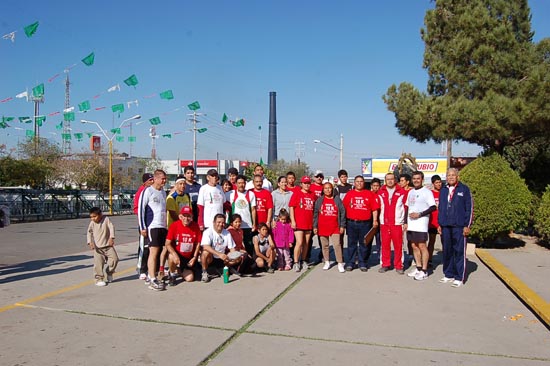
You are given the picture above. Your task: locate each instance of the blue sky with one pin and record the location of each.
(329, 62)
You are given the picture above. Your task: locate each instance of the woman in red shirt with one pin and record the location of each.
(301, 220)
(329, 221)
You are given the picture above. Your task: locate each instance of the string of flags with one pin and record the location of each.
(29, 30)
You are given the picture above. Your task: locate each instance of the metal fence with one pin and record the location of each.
(37, 205)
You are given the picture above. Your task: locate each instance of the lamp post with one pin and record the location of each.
(341, 148)
(110, 139)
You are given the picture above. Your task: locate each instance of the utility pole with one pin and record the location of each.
(66, 143)
(36, 138)
(300, 150)
(154, 136)
(449, 143)
(194, 120)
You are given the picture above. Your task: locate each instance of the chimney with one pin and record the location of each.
(272, 142)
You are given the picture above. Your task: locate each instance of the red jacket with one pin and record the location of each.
(392, 213)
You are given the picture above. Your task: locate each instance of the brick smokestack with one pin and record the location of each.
(272, 142)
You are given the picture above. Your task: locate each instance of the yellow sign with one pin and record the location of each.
(429, 166)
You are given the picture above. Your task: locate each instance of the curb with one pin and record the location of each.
(536, 303)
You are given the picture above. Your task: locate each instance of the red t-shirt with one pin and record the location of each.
(303, 204)
(328, 218)
(294, 189)
(317, 189)
(433, 216)
(264, 201)
(238, 237)
(185, 237)
(360, 204)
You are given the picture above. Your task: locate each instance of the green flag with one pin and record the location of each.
(59, 126)
(84, 106)
(115, 130)
(29, 133)
(78, 136)
(90, 134)
(68, 116)
(202, 130)
(261, 161)
(40, 120)
(7, 119)
(131, 139)
(167, 135)
(131, 81)
(3, 124)
(120, 138)
(167, 95)
(66, 136)
(25, 119)
(194, 106)
(31, 29)
(224, 118)
(89, 60)
(38, 91)
(259, 127)
(155, 121)
(238, 123)
(118, 108)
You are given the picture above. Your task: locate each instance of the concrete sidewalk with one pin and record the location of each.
(55, 315)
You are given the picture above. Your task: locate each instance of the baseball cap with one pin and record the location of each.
(319, 173)
(212, 173)
(305, 179)
(185, 210)
(145, 177)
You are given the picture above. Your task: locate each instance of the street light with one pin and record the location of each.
(341, 148)
(110, 139)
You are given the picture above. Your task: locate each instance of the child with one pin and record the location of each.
(246, 266)
(101, 239)
(283, 236)
(264, 248)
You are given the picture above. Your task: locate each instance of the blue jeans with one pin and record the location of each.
(356, 239)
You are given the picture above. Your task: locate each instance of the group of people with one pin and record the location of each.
(248, 226)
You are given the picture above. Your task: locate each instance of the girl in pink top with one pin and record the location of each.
(283, 236)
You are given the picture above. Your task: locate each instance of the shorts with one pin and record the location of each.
(218, 263)
(184, 261)
(432, 230)
(417, 237)
(303, 229)
(157, 237)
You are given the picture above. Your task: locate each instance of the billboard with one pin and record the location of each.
(377, 168)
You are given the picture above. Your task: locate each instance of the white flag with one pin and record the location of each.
(10, 36)
(25, 94)
(113, 88)
(70, 109)
(132, 102)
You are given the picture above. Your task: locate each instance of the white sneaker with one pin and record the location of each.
(143, 276)
(297, 267)
(341, 268)
(326, 266)
(100, 283)
(457, 283)
(446, 280)
(413, 273)
(421, 275)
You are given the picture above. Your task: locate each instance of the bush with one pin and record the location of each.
(501, 198)
(542, 219)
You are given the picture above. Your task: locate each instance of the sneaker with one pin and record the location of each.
(172, 280)
(147, 280)
(457, 283)
(341, 268)
(297, 267)
(233, 271)
(205, 278)
(349, 268)
(383, 269)
(304, 265)
(270, 270)
(100, 283)
(400, 271)
(326, 266)
(363, 269)
(413, 273)
(421, 275)
(143, 276)
(446, 280)
(156, 285)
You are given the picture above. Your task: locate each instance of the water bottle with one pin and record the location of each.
(225, 274)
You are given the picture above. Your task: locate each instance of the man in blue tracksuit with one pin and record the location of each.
(456, 209)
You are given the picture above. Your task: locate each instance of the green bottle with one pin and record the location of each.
(225, 274)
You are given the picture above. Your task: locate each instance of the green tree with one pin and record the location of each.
(488, 82)
(542, 219)
(502, 200)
